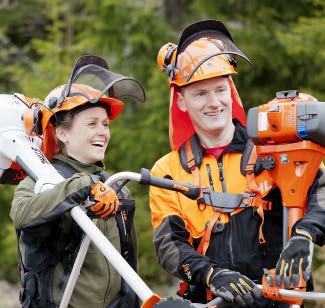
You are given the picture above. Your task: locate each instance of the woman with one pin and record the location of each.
(76, 121)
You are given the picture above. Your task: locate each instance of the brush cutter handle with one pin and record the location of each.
(219, 302)
(189, 190)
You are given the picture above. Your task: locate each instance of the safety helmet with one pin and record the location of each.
(91, 83)
(81, 95)
(205, 50)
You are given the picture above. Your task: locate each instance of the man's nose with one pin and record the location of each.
(214, 100)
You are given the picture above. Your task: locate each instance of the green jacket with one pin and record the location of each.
(47, 231)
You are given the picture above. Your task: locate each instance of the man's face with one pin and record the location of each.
(209, 105)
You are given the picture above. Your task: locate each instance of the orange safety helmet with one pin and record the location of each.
(91, 83)
(205, 50)
(85, 96)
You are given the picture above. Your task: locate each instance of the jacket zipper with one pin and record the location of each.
(221, 174)
(224, 189)
(210, 177)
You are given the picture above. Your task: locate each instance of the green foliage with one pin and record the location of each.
(8, 255)
(41, 40)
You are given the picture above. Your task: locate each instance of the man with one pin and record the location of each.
(220, 244)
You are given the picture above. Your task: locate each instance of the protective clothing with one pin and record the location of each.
(49, 241)
(295, 260)
(185, 222)
(234, 287)
(106, 201)
(205, 50)
(82, 94)
(179, 223)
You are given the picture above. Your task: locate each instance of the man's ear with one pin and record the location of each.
(181, 102)
(61, 134)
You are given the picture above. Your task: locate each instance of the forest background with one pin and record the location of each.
(40, 40)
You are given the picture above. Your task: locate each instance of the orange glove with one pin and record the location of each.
(106, 201)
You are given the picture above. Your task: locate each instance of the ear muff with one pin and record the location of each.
(169, 55)
(53, 102)
(32, 120)
(164, 59)
(169, 67)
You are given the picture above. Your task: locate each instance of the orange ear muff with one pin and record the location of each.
(32, 120)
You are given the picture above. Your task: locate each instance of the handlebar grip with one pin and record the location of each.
(189, 190)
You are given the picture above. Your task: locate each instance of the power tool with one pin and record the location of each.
(289, 135)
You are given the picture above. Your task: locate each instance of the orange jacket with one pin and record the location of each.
(179, 223)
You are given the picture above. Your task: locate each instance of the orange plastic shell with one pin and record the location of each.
(154, 299)
(296, 165)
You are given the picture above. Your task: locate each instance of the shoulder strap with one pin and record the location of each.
(190, 154)
(64, 169)
(249, 157)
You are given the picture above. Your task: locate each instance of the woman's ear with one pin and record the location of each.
(61, 134)
(181, 102)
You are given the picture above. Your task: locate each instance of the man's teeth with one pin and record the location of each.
(98, 143)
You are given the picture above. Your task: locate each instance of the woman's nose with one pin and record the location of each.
(103, 129)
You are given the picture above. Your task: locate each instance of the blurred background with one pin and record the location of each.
(40, 40)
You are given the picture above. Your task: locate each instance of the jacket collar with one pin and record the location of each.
(80, 167)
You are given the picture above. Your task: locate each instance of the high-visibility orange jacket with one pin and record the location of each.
(179, 223)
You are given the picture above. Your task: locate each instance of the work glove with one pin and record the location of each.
(234, 287)
(295, 260)
(104, 201)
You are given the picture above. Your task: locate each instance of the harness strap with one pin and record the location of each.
(192, 166)
(205, 241)
(202, 249)
(223, 202)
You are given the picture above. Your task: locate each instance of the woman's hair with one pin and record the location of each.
(64, 119)
(65, 122)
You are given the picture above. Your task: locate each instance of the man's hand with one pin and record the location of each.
(295, 260)
(234, 287)
(106, 201)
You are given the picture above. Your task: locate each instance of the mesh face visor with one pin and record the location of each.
(93, 71)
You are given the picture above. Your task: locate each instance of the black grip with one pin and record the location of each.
(189, 190)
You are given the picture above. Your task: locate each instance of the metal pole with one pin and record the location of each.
(84, 248)
(111, 254)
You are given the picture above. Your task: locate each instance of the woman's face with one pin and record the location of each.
(88, 137)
